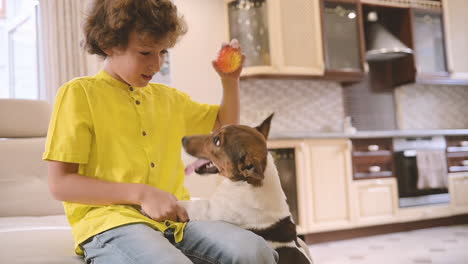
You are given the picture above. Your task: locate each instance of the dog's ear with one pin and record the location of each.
(251, 170)
(264, 127)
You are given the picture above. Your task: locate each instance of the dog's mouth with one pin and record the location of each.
(201, 166)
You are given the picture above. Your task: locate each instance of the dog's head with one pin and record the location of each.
(234, 151)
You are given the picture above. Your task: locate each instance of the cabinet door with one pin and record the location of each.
(329, 180)
(299, 37)
(249, 23)
(278, 37)
(377, 200)
(455, 12)
(429, 48)
(459, 191)
(341, 25)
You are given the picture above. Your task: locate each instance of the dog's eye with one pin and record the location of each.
(249, 167)
(217, 141)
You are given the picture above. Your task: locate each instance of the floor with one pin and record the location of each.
(441, 245)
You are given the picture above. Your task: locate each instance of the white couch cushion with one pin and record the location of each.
(37, 240)
(24, 118)
(23, 179)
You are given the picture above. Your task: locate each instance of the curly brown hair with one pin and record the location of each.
(110, 22)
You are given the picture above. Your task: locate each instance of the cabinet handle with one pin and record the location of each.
(373, 147)
(374, 169)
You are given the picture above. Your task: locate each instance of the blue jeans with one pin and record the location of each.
(204, 242)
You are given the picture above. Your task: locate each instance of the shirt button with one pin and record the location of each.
(137, 102)
(143, 133)
(131, 89)
(167, 223)
(152, 165)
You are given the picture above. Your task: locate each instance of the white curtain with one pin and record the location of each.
(61, 56)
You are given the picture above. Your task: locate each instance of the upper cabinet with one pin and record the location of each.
(456, 33)
(278, 37)
(395, 41)
(343, 39)
(429, 49)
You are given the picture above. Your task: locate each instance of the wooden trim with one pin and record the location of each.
(422, 4)
(343, 1)
(315, 238)
(337, 76)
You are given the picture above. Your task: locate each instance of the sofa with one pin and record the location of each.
(33, 227)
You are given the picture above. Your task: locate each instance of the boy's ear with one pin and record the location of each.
(264, 127)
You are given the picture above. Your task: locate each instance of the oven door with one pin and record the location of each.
(407, 177)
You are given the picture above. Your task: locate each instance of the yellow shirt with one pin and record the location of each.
(120, 133)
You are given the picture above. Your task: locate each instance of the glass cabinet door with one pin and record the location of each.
(429, 42)
(248, 23)
(341, 34)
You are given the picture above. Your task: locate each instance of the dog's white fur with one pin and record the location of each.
(242, 204)
(245, 205)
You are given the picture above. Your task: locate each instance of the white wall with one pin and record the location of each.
(191, 69)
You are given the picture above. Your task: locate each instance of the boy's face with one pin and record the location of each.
(138, 62)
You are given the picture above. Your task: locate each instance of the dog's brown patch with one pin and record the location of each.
(282, 231)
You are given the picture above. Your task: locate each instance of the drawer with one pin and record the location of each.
(372, 147)
(457, 162)
(366, 167)
(457, 143)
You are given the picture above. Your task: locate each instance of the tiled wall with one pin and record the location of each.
(432, 107)
(317, 106)
(299, 105)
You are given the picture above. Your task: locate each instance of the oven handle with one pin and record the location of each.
(409, 153)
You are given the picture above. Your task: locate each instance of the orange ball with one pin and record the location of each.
(229, 59)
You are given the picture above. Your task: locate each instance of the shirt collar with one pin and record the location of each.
(103, 75)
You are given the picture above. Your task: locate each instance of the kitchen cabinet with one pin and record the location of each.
(372, 158)
(456, 37)
(458, 186)
(429, 47)
(342, 23)
(278, 37)
(376, 200)
(328, 178)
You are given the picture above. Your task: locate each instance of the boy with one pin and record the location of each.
(114, 145)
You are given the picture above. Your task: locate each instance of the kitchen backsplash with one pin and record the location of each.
(432, 107)
(317, 106)
(299, 105)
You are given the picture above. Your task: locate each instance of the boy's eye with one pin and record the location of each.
(164, 51)
(145, 53)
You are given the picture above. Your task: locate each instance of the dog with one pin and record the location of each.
(250, 196)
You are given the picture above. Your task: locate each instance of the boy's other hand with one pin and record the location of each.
(160, 205)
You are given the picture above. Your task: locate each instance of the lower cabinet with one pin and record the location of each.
(376, 200)
(458, 187)
(328, 177)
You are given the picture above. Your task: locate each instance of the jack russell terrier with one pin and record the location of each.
(250, 196)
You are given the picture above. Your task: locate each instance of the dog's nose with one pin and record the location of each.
(184, 141)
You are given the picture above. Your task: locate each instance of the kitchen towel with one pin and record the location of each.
(432, 169)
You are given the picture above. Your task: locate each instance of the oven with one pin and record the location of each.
(407, 172)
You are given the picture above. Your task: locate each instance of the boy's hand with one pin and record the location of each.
(230, 75)
(160, 205)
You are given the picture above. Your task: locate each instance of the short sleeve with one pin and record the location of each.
(199, 118)
(70, 130)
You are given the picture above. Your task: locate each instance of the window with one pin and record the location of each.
(19, 69)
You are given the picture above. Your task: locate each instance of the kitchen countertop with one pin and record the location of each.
(369, 134)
